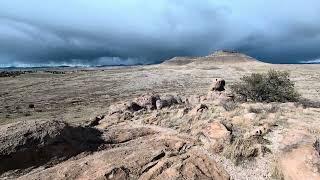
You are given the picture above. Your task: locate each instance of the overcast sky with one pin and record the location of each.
(93, 32)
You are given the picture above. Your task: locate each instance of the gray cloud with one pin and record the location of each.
(141, 31)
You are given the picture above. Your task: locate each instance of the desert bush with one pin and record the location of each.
(274, 86)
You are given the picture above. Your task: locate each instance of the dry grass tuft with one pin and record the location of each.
(276, 172)
(242, 149)
(316, 145)
(229, 105)
(255, 110)
(307, 103)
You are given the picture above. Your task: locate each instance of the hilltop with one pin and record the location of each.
(217, 57)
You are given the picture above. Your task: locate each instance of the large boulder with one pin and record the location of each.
(218, 85)
(217, 92)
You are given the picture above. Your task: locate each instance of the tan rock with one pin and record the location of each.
(219, 96)
(116, 174)
(295, 137)
(217, 136)
(218, 85)
(139, 153)
(300, 163)
(120, 108)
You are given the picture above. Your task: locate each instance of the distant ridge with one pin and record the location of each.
(180, 60)
(217, 57)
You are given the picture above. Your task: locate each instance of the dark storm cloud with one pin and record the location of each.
(141, 31)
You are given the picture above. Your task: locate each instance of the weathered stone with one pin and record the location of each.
(96, 120)
(198, 109)
(33, 143)
(123, 107)
(117, 174)
(218, 85)
(216, 136)
(300, 163)
(219, 96)
(147, 101)
(138, 153)
(167, 101)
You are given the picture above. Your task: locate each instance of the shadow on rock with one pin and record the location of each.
(35, 143)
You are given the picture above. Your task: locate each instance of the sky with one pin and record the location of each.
(127, 32)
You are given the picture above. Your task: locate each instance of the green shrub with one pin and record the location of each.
(274, 86)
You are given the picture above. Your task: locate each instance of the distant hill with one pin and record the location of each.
(222, 56)
(180, 60)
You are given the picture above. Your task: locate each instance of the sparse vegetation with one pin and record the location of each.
(13, 73)
(273, 108)
(276, 171)
(307, 103)
(229, 105)
(55, 72)
(242, 149)
(316, 145)
(274, 86)
(255, 110)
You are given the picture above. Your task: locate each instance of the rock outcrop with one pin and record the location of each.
(125, 151)
(36, 143)
(167, 101)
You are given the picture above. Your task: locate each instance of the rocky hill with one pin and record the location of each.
(218, 57)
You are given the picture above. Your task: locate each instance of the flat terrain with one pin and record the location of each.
(77, 96)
